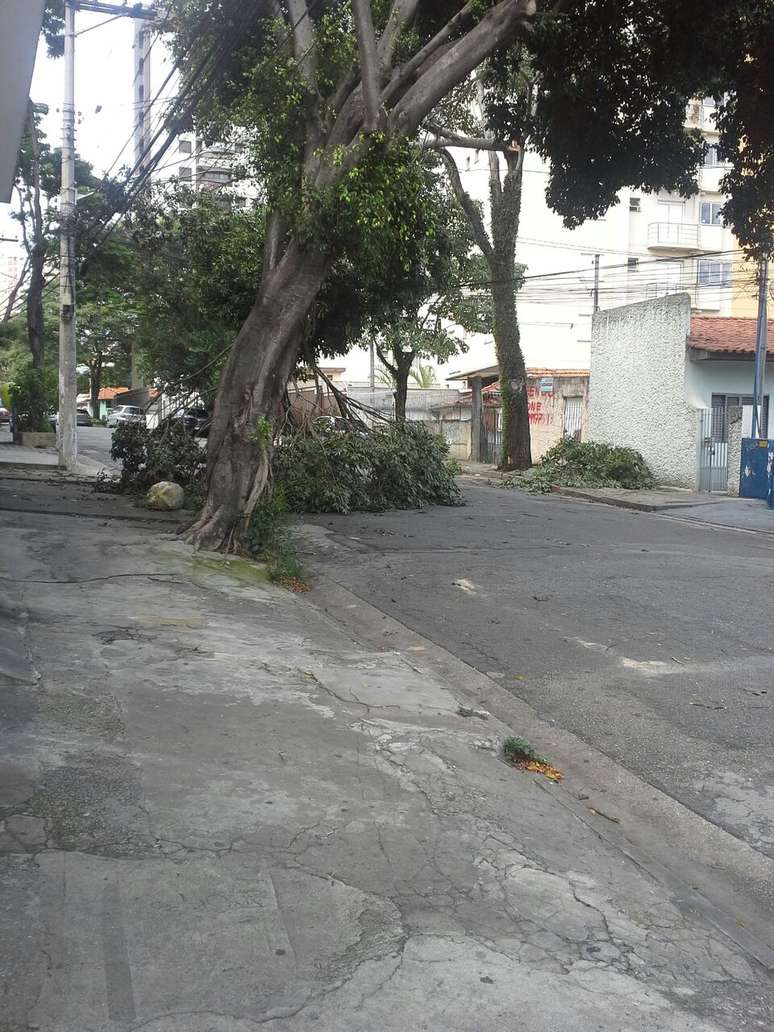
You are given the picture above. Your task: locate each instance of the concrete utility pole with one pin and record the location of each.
(67, 439)
(761, 347)
(142, 95)
(596, 282)
(67, 434)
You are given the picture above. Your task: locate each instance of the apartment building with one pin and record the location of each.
(217, 167)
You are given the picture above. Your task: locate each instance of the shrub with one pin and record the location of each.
(164, 453)
(270, 537)
(33, 395)
(586, 464)
(399, 467)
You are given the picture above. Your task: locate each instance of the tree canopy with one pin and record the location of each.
(327, 100)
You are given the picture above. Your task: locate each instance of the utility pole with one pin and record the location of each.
(761, 347)
(67, 433)
(142, 93)
(596, 282)
(67, 438)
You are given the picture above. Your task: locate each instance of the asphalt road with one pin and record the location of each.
(94, 443)
(648, 637)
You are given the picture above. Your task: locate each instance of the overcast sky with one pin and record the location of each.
(104, 72)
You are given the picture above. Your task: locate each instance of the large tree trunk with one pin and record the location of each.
(500, 254)
(515, 450)
(35, 305)
(402, 370)
(37, 254)
(252, 386)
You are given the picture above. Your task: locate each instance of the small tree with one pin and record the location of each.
(407, 340)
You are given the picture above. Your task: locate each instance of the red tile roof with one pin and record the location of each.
(108, 393)
(726, 335)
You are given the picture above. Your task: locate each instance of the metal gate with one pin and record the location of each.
(713, 449)
(573, 417)
(491, 435)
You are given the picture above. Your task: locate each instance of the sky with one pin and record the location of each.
(104, 73)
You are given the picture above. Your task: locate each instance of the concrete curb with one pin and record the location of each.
(626, 503)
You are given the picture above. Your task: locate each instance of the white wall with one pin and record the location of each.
(705, 377)
(638, 385)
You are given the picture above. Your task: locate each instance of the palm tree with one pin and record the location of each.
(423, 375)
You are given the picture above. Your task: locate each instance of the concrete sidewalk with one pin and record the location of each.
(15, 456)
(221, 812)
(750, 514)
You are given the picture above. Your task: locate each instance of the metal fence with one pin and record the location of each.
(491, 443)
(713, 449)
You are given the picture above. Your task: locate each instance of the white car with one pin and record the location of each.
(126, 414)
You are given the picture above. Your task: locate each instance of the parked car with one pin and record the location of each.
(5, 415)
(82, 418)
(126, 414)
(196, 421)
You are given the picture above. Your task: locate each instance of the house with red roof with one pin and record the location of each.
(106, 400)
(672, 383)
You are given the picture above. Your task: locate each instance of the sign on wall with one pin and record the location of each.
(546, 385)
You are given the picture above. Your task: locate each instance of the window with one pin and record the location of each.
(712, 155)
(670, 211)
(668, 279)
(711, 213)
(634, 204)
(185, 175)
(184, 146)
(214, 176)
(721, 403)
(713, 274)
(633, 264)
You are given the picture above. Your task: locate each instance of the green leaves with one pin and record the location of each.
(587, 464)
(33, 395)
(199, 266)
(402, 467)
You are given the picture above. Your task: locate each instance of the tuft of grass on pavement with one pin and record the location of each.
(519, 753)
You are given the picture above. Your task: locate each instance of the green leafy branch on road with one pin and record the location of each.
(585, 464)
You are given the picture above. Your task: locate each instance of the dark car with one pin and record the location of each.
(5, 415)
(82, 418)
(196, 421)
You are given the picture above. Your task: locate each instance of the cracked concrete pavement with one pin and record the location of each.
(220, 812)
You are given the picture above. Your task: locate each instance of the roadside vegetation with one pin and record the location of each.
(401, 466)
(398, 467)
(165, 453)
(585, 464)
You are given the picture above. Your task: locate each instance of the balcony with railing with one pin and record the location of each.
(673, 236)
